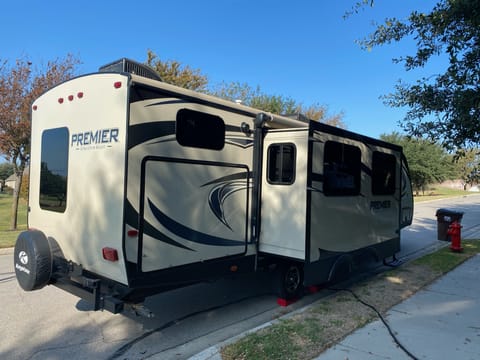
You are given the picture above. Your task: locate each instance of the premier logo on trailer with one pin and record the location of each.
(94, 139)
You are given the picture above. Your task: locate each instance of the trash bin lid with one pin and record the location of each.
(448, 212)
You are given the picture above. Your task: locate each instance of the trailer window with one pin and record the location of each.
(383, 173)
(54, 169)
(341, 169)
(200, 130)
(281, 164)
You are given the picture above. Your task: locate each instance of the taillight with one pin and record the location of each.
(70, 97)
(110, 254)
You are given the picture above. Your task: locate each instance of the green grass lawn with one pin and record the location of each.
(8, 237)
(440, 193)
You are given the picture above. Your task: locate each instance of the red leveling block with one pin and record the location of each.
(285, 302)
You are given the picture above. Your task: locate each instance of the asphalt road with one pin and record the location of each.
(52, 324)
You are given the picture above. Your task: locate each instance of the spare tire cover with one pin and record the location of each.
(32, 260)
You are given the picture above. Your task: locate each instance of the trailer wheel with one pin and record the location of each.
(289, 281)
(32, 260)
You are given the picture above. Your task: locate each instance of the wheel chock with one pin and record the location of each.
(285, 302)
(313, 289)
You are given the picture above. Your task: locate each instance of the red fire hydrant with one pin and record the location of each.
(455, 232)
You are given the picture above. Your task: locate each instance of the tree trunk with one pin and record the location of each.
(16, 196)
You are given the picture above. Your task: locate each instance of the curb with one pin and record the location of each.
(213, 352)
(6, 251)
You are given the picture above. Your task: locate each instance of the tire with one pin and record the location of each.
(32, 260)
(289, 281)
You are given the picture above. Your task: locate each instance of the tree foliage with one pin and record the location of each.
(467, 166)
(6, 169)
(428, 162)
(444, 106)
(275, 104)
(20, 84)
(173, 72)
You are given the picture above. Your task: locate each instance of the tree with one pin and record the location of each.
(275, 104)
(445, 106)
(20, 84)
(6, 169)
(428, 162)
(173, 72)
(467, 166)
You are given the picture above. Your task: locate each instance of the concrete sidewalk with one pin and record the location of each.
(441, 321)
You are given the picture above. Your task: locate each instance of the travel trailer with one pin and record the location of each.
(139, 187)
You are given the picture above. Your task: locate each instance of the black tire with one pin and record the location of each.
(289, 281)
(32, 260)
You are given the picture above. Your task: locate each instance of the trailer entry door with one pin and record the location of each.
(284, 184)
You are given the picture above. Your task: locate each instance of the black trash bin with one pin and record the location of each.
(445, 217)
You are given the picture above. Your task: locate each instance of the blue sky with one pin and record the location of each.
(305, 49)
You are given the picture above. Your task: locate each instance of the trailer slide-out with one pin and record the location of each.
(138, 187)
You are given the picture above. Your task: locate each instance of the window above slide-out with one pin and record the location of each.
(200, 130)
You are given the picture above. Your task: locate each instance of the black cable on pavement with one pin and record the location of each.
(394, 337)
(122, 350)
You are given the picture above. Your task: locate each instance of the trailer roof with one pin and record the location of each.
(275, 121)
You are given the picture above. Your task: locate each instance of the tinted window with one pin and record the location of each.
(383, 173)
(341, 169)
(54, 169)
(281, 164)
(200, 130)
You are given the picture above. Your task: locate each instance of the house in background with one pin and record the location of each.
(10, 181)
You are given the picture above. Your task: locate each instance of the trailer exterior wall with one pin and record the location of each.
(342, 222)
(94, 113)
(188, 195)
(352, 216)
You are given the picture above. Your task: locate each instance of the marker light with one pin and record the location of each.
(70, 97)
(117, 84)
(110, 254)
(132, 233)
(80, 95)
(35, 107)
(60, 100)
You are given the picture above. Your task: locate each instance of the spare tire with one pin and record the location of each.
(32, 260)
